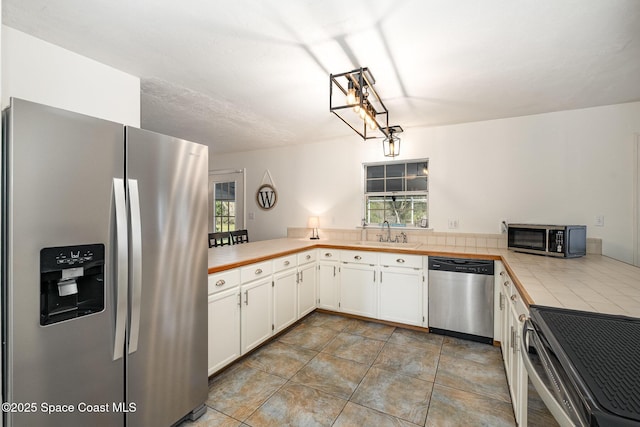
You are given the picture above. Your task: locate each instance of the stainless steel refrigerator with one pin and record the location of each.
(104, 272)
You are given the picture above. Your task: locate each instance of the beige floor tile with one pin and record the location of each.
(333, 375)
(377, 331)
(212, 418)
(240, 390)
(403, 336)
(324, 320)
(470, 350)
(482, 378)
(453, 408)
(354, 347)
(416, 361)
(280, 359)
(394, 394)
(310, 337)
(354, 415)
(297, 405)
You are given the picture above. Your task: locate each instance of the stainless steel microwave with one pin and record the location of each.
(567, 241)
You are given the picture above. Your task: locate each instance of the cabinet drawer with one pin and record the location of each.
(222, 281)
(400, 260)
(307, 257)
(255, 271)
(284, 263)
(359, 257)
(329, 255)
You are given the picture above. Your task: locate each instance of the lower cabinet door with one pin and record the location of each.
(284, 299)
(328, 286)
(358, 289)
(224, 329)
(256, 323)
(400, 295)
(306, 290)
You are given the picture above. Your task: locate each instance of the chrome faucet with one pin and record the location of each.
(388, 231)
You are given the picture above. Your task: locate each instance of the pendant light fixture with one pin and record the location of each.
(354, 100)
(391, 144)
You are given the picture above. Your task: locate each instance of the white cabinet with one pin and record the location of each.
(285, 310)
(223, 337)
(224, 329)
(358, 289)
(400, 295)
(328, 268)
(306, 283)
(504, 289)
(517, 373)
(256, 313)
(511, 316)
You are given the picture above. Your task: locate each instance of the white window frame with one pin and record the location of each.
(416, 222)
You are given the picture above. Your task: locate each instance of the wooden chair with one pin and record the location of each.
(239, 236)
(219, 239)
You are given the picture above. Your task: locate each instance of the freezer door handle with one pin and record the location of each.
(135, 269)
(121, 269)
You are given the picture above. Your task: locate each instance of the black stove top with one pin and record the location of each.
(604, 351)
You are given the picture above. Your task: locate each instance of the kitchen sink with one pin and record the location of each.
(373, 244)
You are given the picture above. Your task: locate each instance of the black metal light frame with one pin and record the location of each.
(363, 82)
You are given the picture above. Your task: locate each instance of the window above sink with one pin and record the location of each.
(397, 192)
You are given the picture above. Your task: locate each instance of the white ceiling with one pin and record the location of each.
(248, 74)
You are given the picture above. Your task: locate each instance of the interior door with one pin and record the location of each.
(226, 200)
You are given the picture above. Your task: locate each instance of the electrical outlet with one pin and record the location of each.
(599, 221)
(251, 216)
(453, 223)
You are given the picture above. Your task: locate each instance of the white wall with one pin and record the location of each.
(563, 167)
(39, 71)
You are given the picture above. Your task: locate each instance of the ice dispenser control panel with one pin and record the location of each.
(71, 282)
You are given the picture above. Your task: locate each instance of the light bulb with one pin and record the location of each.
(372, 119)
(351, 94)
(363, 112)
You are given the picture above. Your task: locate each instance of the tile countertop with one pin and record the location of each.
(591, 283)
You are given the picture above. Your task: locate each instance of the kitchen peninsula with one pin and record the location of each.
(592, 283)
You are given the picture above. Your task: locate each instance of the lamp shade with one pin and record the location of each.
(314, 222)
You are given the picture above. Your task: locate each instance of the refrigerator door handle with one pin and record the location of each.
(135, 271)
(122, 268)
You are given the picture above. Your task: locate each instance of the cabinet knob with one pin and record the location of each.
(328, 254)
(502, 273)
(357, 257)
(514, 297)
(522, 317)
(286, 263)
(308, 257)
(259, 271)
(220, 282)
(506, 283)
(400, 261)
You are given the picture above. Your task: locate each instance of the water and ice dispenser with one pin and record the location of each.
(71, 282)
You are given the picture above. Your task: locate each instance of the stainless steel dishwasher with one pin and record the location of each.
(461, 298)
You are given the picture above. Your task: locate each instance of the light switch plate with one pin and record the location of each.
(599, 222)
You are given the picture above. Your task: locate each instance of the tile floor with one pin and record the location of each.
(330, 370)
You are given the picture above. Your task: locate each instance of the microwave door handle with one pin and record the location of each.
(121, 273)
(135, 271)
(551, 398)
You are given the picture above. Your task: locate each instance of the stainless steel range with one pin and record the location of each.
(584, 365)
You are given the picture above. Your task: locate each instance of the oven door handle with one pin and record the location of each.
(558, 410)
